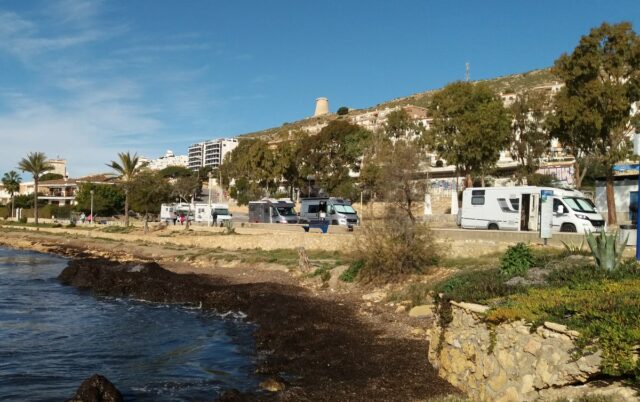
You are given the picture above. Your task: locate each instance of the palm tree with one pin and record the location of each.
(35, 163)
(128, 168)
(11, 182)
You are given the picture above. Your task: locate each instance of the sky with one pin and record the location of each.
(84, 80)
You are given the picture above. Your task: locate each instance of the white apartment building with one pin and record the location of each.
(168, 159)
(210, 153)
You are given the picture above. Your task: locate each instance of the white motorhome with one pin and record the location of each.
(204, 213)
(518, 208)
(170, 212)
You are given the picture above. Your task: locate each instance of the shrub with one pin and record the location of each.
(541, 180)
(22, 219)
(516, 260)
(342, 111)
(351, 273)
(229, 228)
(394, 248)
(476, 286)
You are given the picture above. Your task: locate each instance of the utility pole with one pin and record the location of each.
(467, 72)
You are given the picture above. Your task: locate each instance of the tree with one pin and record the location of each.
(149, 191)
(470, 127)
(400, 125)
(127, 168)
(173, 172)
(11, 182)
(186, 188)
(253, 162)
(35, 163)
(107, 198)
(529, 139)
(342, 110)
(398, 244)
(602, 81)
(51, 176)
(287, 163)
(334, 155)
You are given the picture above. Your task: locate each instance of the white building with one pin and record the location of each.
(168, 159)
(210, 153)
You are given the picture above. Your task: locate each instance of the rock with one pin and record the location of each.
(555, 327)
(498, 381)
(400, 309)
(231, 395)
(417, 332)
(96, 389)
(273, 384)
(423, 311)
(532, 346)
(375, 297)
(474, 308)
(334, 281)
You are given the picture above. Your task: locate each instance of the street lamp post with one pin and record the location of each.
(92, 218)
(210, 215)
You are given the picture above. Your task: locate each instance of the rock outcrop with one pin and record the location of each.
(96, 388)
(509, 361)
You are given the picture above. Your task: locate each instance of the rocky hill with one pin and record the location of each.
(505, 84)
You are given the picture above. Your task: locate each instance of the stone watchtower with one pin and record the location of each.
(322, 107)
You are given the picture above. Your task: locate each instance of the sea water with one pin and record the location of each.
(52, 337)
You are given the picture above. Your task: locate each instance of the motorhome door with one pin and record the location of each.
(534, 208)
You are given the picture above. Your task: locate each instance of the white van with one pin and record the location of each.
(518, 208)
(336, 211)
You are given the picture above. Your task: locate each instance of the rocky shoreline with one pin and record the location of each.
(310, 348)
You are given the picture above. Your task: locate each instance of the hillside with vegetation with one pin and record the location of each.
(508, 83)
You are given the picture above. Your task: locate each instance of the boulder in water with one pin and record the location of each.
(231, 395)
(96, 389)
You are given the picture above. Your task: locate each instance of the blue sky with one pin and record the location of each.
(84, 80)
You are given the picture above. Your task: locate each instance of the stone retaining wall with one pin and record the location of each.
(507, 362)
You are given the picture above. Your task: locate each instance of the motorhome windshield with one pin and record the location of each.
(580, 204)
(286, 211)
(344, 209)
(221, 211)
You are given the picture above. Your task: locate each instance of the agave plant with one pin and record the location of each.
(606, 249)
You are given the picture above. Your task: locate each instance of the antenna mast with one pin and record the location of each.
(467, 72)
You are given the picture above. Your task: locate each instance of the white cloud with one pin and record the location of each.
(85, 97)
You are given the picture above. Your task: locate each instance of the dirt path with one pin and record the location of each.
(327, 346)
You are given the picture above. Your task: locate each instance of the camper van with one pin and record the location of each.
(168, 212)
(518, 208)
(204, 213)
(270, 210)
(336, 211)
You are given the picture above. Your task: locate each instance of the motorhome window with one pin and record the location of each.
(515, 203)
(221, 211)
(477, 192)
(345, 209)
(556, 204)
(313, 209)
(287, 211)
(477, 199)
(274, 212)
(580, 204)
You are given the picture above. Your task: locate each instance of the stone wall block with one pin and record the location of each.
(518, 366)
